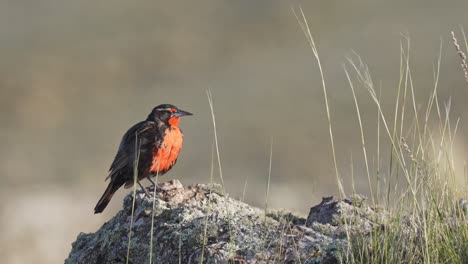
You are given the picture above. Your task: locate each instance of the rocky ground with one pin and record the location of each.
(200, 224)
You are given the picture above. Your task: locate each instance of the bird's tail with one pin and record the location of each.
(107, 196)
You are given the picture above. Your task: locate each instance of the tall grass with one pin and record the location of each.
(220, 171)
(302, 20)
(425, 224)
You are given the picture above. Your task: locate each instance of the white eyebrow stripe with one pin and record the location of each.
(164, 109)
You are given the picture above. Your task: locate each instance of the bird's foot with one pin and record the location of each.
(154, 189)
(148, 194)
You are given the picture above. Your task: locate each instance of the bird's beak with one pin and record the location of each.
(180, 113)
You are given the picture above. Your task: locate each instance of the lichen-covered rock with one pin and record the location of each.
(200, 224)
(340, 217)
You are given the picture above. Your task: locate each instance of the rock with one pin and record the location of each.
(335, 217)
(200, 224)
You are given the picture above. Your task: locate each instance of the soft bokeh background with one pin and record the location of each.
(74, 75)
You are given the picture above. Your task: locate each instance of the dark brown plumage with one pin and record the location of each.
(155, 143)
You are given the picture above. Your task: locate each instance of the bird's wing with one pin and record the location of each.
(126, 154)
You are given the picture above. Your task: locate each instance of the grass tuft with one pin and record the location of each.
(425, 225)
(427, 222)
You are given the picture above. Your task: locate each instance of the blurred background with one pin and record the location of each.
(75, 75)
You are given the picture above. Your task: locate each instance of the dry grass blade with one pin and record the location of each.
(305, 28)
(228, 212)
(205, 228)
(365, 79)
(265, 224)
(362, 134)
(135, 179)
(210, 101)
(152, 217)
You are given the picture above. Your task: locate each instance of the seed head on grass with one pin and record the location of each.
(462, 55)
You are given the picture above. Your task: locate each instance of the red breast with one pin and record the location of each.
(166, 155)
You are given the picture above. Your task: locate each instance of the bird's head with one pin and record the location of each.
(167, 113)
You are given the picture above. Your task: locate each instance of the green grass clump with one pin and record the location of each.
(426, 224)
(421, 189)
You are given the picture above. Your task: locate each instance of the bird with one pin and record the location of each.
(153, 145)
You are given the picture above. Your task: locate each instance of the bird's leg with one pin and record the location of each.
(144, 189)
(152, 182)
(155, 187)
